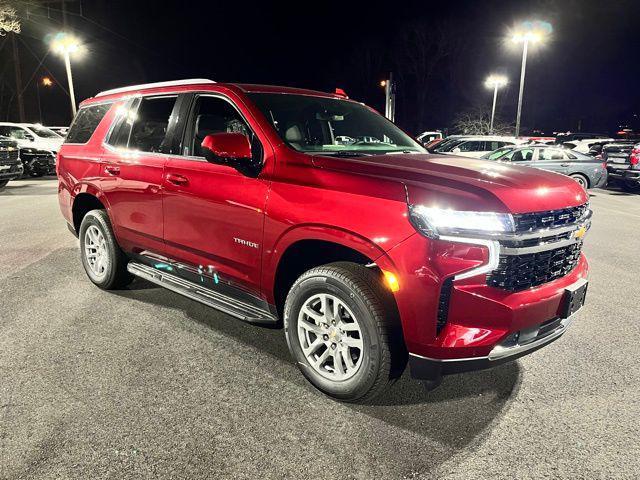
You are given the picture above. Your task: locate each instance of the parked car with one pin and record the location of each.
(571, 136)
(587, 171)
(10, 165)
(586, 145)
(621, 159)
(370, 255)
(62, 131)
(433, 144)
(38, 146)
(428, 136)
(477, 146)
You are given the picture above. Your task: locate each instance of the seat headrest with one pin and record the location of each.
(293, 134)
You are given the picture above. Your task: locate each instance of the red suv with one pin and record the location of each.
(283, 206)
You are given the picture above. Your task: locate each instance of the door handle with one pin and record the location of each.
(112, 170)
(176, 179)
(564, 164)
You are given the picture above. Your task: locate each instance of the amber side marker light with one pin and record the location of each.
(391, 280)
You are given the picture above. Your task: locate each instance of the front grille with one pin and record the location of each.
(7, 156)
(519, 272)
(528, 222)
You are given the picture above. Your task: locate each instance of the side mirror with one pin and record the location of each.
(456, 150)
(226, 147)
(231, 149)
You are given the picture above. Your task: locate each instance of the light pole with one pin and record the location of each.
(495, 82)
(65, 45)
(389, 97)
(527, 33)
(46, 82)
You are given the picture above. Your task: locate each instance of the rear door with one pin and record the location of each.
(133, 166)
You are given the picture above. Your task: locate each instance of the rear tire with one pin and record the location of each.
(3, 183)
(102, 258)
(581, 179)
(341, 316)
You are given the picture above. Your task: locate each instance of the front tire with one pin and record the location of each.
(342, 329)
(103, 260)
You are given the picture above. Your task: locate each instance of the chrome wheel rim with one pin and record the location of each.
(580, 181)
(95, 251)
(330, 337)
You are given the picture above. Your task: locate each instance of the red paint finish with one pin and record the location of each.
(207, 214)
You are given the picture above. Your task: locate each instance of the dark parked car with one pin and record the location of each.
(622, 164)
(587, 171)
(38, 163)
(10, 166)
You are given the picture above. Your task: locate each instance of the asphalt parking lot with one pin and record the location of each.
(143, 383)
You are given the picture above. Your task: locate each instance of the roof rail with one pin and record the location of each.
(172, 83)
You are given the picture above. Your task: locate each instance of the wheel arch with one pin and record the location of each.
(303, 248)
(86, 197)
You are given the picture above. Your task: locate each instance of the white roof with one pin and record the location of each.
(172, 83)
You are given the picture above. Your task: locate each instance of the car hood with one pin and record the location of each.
(466, 184)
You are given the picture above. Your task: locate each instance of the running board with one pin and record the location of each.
(224, 303)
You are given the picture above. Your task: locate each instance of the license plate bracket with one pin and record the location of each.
(574, 297)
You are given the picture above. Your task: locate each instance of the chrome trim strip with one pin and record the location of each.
(447, 360)
(499, 352)
(538, 248)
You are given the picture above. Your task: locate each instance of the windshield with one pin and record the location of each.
(43, 132)
(500, 152)
(332, 126)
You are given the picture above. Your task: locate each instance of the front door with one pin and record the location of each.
(213, 214)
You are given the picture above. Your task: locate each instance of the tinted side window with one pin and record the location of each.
(551, 154)
(524, 155)
(125, 116)
(86, 122)
(149, 132)
(215, 115)
(471, 147)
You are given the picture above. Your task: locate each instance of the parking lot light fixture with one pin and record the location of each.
(494, 82)
(527, 33)
(65, 44)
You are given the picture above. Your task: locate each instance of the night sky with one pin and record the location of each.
(585, 76)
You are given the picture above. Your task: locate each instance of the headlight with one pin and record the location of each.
(434, 222)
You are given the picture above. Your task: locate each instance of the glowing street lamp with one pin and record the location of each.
(495, 82)
(45, 82)
(528, 33)
(65, 45)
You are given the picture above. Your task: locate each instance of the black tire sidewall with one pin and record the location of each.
(99, 219)
(358, 385)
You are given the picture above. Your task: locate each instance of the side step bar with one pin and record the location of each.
(224, 303)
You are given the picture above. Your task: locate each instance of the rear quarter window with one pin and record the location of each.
(86, 121)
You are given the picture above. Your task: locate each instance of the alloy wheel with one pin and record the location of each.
(330, 337)
(95, 251)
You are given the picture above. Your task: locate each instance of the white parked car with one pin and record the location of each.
(426, 137)
(584, 145)
(34, 136)
(477, 146)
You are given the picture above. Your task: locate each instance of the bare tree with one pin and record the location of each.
(478, 121)
(9, 21)
(422, 50)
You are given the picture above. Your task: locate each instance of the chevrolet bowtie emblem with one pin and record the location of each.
(580, 232)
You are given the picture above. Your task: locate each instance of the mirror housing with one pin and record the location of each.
(456, 150)
(233, 150)
(225, 147)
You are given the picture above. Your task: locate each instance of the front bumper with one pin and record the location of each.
(431, 369)
(14, 171)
